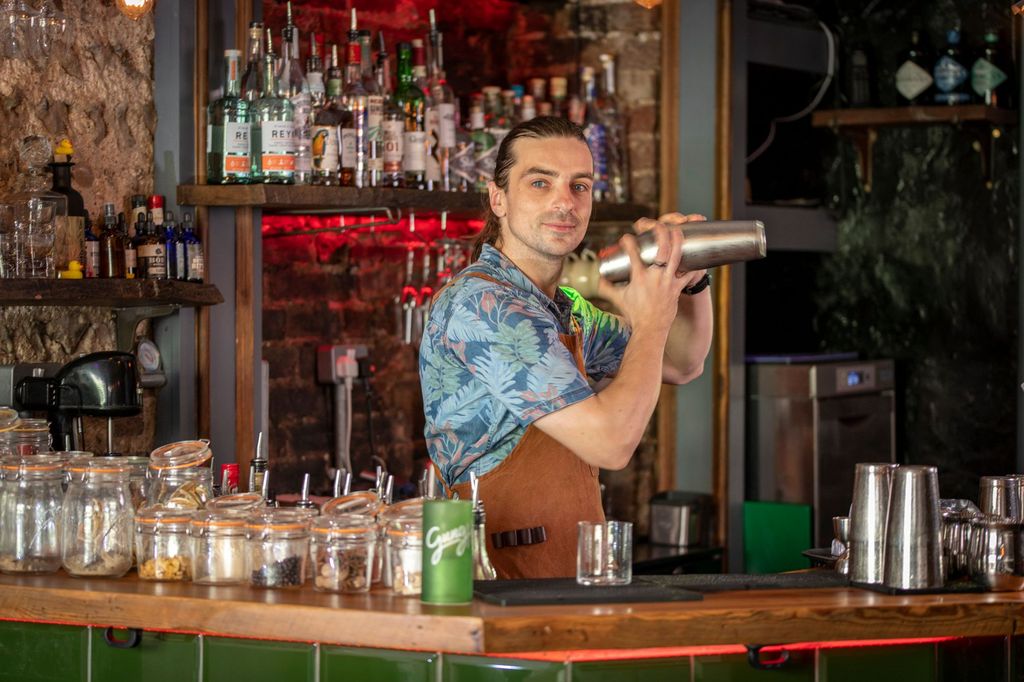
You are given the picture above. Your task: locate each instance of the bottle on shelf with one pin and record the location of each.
(195, 269)
(180, 262)
(596, 133)
(393, 123)
(495, 120)
(70, 234)
(130, 262)
(990, 79)
(463, 158)
(91, 250)
(858, 80)
(326, 127)
(293, 85)
(315, 76)
(111, 245)
(529, 108)
(950, 74)
(138, 206)
(410, 99)
(441, 116)
(252, 81)
(155, 209)
(486, 149)
(374, 114)
(914, 75)
(432, 172)
(273, 131)
(168, 234)
(228, 149)
(610, 111)
(354, 126)
(559, 88)
(152, 252)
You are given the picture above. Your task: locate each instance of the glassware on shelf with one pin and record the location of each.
(180, 475)
(162, 547)
(30, 510)
(39, 212)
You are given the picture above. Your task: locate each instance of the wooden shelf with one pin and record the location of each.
(901, 116)
(109, 293)
(317, 199)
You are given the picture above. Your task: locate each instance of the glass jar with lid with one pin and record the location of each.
(412, 508)
(219, 547)
(180, 475)
(25, 437)
(138, 479)
(72, 459)
(30, 506)
(97, 520)
(236, 502)
(405, 549)
(343, 547)
(162, 547)
(277, 547)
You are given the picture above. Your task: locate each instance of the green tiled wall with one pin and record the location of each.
(254, 660)
(344, 664)
(30, 652)
(647, 670)
(912, 663)
(736, 668)
(159, 657)
(483, 669)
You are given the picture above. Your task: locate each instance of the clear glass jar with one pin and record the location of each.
(365, 503)
(411, 508)
(180, 475)
(219, 547)
(97, 520)
(343, 549)
(237, 502)
(26, 437)
(162, 547)
(277, 547)
(30, 505)
(405, 548)
(138, 479)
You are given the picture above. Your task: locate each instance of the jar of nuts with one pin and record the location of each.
(218, 546)
(405, 509)
(277, 547)
(180, 475)
(343, 549)
(161, 544)
(405, 547)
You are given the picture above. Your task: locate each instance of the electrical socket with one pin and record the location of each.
(336, 363)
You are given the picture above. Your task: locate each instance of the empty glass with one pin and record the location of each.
(604, 553)
(34, 236)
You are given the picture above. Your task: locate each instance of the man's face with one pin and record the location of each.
(546, 210)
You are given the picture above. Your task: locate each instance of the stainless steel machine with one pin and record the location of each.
(810, 419)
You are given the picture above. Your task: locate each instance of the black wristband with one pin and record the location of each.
(700, 286)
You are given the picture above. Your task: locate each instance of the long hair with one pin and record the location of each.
(537, 128)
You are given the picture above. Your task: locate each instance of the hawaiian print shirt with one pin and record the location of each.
(491, 362)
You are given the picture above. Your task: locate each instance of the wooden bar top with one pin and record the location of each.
(381, 620)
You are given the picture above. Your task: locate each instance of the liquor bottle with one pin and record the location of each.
(195, 268)
(354, 126)
(486, 149)
(596, 133)
(273, 132)
(252, 81)
(228, 152)
(72, 224)
(463, 158)
(138, 211)
(138, 241)
(130, 265)
(950, 74)
(610, 110)
(155, 209)
(989, 76)
(293, 85)
(91, 251)
(393, 123)
(529, 110)
(538, 90)
(111, 246)
(432, 174)
(168, 234)
(315, 76)
(152, 253)
(374, 114)
(559, 87)
(510, 104)
(326, 128)
(441, 116)
(495, 120)
(180, 262)
(913, 77)
(414, 139)
(859, 82)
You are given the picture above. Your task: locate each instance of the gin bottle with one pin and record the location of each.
(195, 269)
(293, 85)
(354, 127)
(463, 158)
(485, 149)
(409, 98)
(315, 76)
(252, 81)
(228, 152)
(326, 128)
(441, 117)
(374, 114)
(610, 110)
(393, 123)
(596, 133)
(273, 143)
(950, 74)
(989, 74)
(431, 123)
(913, 77)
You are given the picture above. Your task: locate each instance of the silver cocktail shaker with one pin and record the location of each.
(705, 245)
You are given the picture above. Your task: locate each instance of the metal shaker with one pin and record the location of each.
(868, 515)
(705, 245)
(996, 553)
(913, 538)
(957, 516)
(1003, 496)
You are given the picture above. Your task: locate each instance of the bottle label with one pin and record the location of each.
(92, 259)
(485, 160)
(302, 106)
(949, 74)
(194, 256)
(912, 80)
(157, 215)
(414, 153)
(209, 138)
(447, 124)
(986, 77)
(393, 133)
(597, 139)
(278, 138)
(154, 260)
(131, 261)
(349, 147)
(180, 266)
(433, 119)
(237, 149)
(316, 84)
(374, 117)
(325, 148)
(464, 164)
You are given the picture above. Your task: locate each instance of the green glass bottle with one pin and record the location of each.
(228, 150)
(273, 130)
(409, 99)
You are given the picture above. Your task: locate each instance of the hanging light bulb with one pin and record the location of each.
(135, 9)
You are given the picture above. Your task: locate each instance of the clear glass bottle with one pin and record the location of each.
(30, 506)
(409, 98)
(354, 128)
(463, 158)
(431, 121)
(374, 114)
(315, 77)
(97, 520)
(482, 568)
(273, 132)
(441, 116)
(393, 123)
(610, 110)
(228, 147)
(485, 149)
(219, 546)
(990, 74)
(162, 547)
(252, 81)
(130, 261)
(343, 548)
(950, 74)
(293, 85)
(327, 122)
(596, 133)
(180, 476)
(277, 548)
(913, 78)
(39, 212)
(195, 263)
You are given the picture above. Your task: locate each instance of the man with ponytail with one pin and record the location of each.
(509, 360)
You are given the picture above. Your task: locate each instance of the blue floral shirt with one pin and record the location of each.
(491, 362)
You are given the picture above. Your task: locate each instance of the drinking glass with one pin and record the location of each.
(604, 553)
(6, 241)
(34, 239)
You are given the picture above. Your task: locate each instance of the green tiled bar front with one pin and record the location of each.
(736, 668)
(485, 669)
(254, 660)
(344, 664)
(32, 652)
(897, 663)
(159, 657)
(643, 670)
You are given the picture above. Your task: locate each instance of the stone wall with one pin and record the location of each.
(98, 92)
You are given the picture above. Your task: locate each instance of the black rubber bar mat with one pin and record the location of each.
(958, 587)
(566, 591)
(721, 582)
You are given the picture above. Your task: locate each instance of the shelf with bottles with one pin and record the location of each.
(107, 293)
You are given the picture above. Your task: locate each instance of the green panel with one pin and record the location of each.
(341, 664)
(31, 652)
(159, 657)
(910, 663)
(484, 669)
(254, 660)
(736, 668)
(640, 670)
(979, 658)
(774, 535)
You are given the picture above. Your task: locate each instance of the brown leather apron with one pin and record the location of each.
(541, 483)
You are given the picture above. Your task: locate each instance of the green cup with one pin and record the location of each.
(447, 552)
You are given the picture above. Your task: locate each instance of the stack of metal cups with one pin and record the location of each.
(868, 514)
(996, 536)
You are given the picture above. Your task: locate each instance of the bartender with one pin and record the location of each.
(510, 363)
